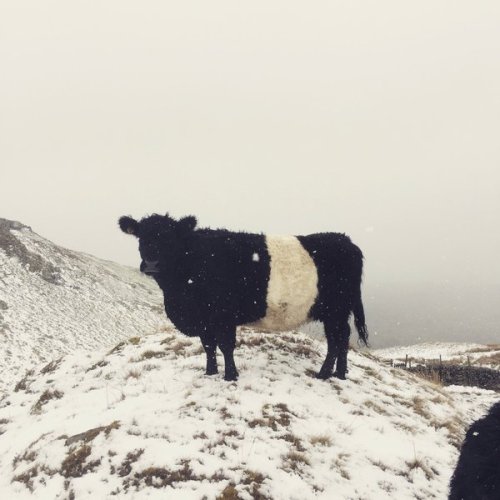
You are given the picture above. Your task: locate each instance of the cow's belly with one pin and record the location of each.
(293, 284)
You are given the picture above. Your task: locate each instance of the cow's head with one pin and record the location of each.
(158, 235)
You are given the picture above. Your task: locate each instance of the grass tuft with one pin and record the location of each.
(321, 439)
(44, 399)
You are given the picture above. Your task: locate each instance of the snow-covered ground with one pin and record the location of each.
(54, 300)
(476, 354)
(116, 403)
(143, 421)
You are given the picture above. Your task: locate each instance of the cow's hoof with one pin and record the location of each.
(323, 376)
(211, 369)
(339, 376)
(231, 377)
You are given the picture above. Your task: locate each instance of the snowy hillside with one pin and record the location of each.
(53, 300)
(477, 354)
(143, 421)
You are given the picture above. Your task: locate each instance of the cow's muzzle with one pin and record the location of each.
(150, 266)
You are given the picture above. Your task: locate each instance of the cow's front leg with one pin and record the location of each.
(226, 340)
(209, 343)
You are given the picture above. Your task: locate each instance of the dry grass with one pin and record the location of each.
(224, 413)
(160, 477)
(405, 427)
(273, 416)
(432, 375)
(419, 407)
(372, 373)
(295, 461)
(321, 440)
(417, 463)
(118, 347)
(149, 367)
(75, 464)
(386, 486)
(376, 407)
(51, 367)
(25, 382)
(27, 477)
(44, 399)
(454, 427)
(200, 435)
(91, 434)
(133, 374)
(168, 339)
(492, 359)
(250, 341)
(254, 480)
(150, 354)
(486, 348)
(379, 464)
(229, 493)
(126, 466)
(99, 364)
(28, 456)
(339, 464)
(294, 441)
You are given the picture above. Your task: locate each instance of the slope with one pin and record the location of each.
(142, 421)
(456, 352)
(53, 300)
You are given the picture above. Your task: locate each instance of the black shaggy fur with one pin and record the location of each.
(212, 283)
(477, 475)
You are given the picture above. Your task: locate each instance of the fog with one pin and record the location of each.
(377, 119)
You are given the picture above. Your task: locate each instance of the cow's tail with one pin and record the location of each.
(359, 319)
(357, 304)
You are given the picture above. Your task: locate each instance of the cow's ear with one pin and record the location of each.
(186, 225)
(128, 225)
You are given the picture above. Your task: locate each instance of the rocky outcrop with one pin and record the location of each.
(34, 262)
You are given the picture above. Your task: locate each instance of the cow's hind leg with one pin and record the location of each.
(226, 340)
(337, 333)
(209, 343)
(344, 333)
(331, 338)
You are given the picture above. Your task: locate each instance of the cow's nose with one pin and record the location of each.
(150, 266)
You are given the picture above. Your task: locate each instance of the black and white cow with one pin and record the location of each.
(216, 280)
(477, 474)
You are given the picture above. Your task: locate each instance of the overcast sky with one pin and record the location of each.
(378, 119)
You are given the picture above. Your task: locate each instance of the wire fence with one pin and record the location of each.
(450, 372)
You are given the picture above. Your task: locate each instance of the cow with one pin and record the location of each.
(214, 280)
(477, 474)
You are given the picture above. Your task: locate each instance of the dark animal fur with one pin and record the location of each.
(212, 284)
(477, 474)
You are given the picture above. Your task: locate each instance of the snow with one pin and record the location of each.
(477, 354)
(116, 402)
(278, 430)
(93, 303)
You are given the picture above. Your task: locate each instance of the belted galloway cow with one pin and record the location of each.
(477, 473)
(214, 280)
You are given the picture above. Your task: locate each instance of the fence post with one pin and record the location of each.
(440, 369)
(406, 362)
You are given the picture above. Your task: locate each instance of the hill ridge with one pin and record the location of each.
(142, 419)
